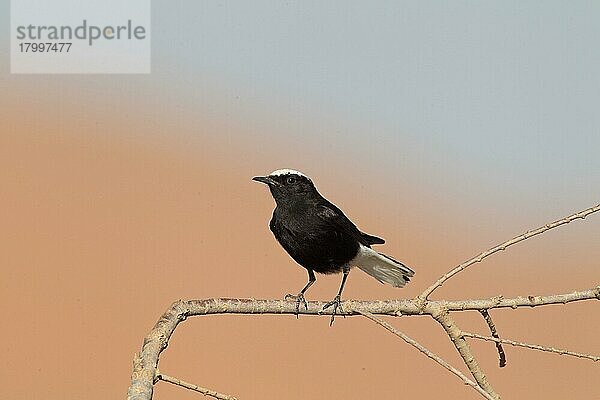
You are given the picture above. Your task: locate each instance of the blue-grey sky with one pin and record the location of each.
(505, 91)
(469, 98)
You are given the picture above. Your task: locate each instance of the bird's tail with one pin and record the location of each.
(383, 268)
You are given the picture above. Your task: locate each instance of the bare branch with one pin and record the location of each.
(503, 246)
(195, 388)
(488, 319)
(532, 346)
(521, 301)
(428, 353)
(145, 364)
(464, 350)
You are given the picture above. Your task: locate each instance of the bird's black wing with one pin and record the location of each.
(335, 218)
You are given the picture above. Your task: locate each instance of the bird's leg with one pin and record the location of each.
(336, 302)
(300, 296)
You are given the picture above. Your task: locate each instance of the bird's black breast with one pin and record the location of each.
(316, 236)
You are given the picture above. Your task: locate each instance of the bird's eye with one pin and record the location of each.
(291, 180)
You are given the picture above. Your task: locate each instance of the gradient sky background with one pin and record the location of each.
(445, 127)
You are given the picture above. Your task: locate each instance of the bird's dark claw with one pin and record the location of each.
(299, 300)
(337, 304)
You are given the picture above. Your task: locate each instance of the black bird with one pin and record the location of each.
(319, 237)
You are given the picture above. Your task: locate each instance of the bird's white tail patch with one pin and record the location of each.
(382, 267)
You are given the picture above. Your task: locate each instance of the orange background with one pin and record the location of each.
(113, 207)
(443, 127)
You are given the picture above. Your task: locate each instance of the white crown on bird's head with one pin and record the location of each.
(286, 171)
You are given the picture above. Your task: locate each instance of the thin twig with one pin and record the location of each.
(488, 319)
(207, 392)
(428, 353)
(532, 346)
(521, 301)
(503, 246)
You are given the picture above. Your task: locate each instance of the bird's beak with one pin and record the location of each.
(264, 179)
